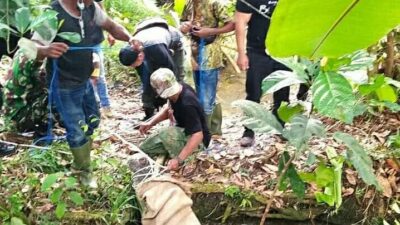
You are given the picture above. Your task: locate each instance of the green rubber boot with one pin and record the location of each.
(82, 165)
(214, 121)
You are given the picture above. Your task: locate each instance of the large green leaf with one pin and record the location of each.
(70, 36)
(301, 129)
(50, 180)
(60, 209)
(56, 195)
(6, 27)
(333, 96)
(46, 25)
(286, 112)
(179, 5)
(291, 176)
(42, 18)
(394, 107)
(23, 19)
(257, 118)
(359, 159)
(280, 79)
(76, 198)
(378, 81)
(16, 221)
(323, 175)
(332, 28)
(337, 162)
(386, 93)
(298, 186)
(303, 69)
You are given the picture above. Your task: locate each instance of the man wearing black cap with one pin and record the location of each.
(151, 52)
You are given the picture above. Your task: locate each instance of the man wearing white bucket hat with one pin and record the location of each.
(190, 130)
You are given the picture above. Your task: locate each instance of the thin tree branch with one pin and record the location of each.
(269, 203)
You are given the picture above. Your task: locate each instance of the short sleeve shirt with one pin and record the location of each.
(259, 23)
(75, 67)
(207, 13)
(190, 115)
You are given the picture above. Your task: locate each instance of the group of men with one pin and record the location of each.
(156, 51)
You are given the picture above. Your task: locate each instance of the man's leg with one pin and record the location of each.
(167, 141)
(148, 94)
(91, 109)
(102, 89)
(178, 58)
(206, 82)
(281, 95)
(71, 105)
(259, 68)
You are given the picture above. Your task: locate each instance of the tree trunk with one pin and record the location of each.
(389, 63)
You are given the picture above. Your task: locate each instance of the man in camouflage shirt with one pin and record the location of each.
(206, 20)
(25, 96)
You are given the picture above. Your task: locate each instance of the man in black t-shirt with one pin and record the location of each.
(185, 111)
(253, 58)
(73, 94)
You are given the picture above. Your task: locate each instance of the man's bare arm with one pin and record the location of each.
(116, 30)
(241, 21)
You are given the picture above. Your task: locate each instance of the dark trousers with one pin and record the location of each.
(260, 66)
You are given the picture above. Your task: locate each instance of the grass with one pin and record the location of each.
(21, 182)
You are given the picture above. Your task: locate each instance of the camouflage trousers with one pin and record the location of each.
(25, 96)
(167, 141)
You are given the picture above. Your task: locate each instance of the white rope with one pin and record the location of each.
(23, 145)
(136, 149)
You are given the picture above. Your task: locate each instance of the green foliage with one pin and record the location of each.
(257, 118)
(22, 19)
(381, 93)
(301, 129)
(62, 193)
(304, 71)
(290, 177)
(287, 112)
(279, 79)
(237, 196)
(128, 12)
(394, 140)
(333, 96)
(50, 180)
(328, 26)
(357, 156)
(70, 36)
(38, 175)
(328, 178)
(179, 5)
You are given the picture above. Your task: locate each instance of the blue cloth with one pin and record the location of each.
(101, 88)
(206, 82)
(79, 111)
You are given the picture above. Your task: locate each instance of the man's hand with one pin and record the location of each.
(144, 127)
(173, 164)
(186, 27)
(243, 62)
(136, 44)
(111, 40)
(202, 31)
(54, 50)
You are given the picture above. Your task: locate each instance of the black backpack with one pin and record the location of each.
(152, 22)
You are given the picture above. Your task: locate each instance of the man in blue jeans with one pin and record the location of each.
(101, 84)
(69, 80)
(206, 20)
